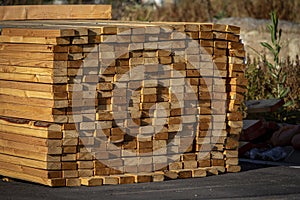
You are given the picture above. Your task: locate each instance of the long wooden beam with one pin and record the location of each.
(35, 12)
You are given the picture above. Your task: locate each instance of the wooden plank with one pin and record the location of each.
(30, 171)
(91, 181)
(142, 177)
(85, 164)
(30, 154)
(221, 169)
(237, 53)
(36, 63)
(251, 125)
(27, 12)
(30, 162)
(233, 29)
(73, 182)
(110, 180)
(32, 178)
(31, 112)
(235, 124)
(53, 24)
(231, 153)
(233, 168)
(28, 128)
(85, 173)
(184, 173)
(232, 142)
(263, 106)
(30, 124)
(232, 37)
(242, 81)
(211, 171)
(125, 179)
(33, 94)
(34, 40)
(200, 172)
(158, 176)
(33, 70)
(32, 48)
(38, 32)
(30, 131)
(29, 147)
(206, 26)
(169, 175)
(236, 88)
(33, 86)
(69, 173)
(33, 78)
(34, 55)
(219, 27)
(238, 116)
(232, 161)
(50, 103)
(252, 129)
(61, 28)
(30, 140)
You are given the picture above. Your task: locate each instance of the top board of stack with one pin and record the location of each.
(91, 102)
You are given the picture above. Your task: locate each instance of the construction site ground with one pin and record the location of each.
(255, 181)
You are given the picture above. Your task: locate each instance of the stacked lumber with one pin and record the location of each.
(112, 102)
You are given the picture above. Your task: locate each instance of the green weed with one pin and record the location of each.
(276, 78)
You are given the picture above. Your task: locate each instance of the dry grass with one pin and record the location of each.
(207, 10)
(292, 68)
(286, 9)
(258, 79)
(260, 87)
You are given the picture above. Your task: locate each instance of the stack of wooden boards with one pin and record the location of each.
(113, 102)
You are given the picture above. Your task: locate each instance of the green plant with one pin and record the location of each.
(275, 77)
(278, 76)
(258, 80)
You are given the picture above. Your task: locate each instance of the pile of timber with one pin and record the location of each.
(109, 102)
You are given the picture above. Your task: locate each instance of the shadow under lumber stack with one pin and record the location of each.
(111, 102)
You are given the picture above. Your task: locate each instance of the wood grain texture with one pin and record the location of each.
(29, 12)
